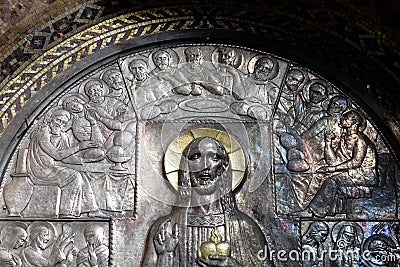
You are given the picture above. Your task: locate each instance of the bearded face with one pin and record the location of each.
(96, 92)
(205, 162)
(58, 123)
(90, 237)
(320, 236)
(194, 58)
(337, 106)
(139, 70)
(262, 69)
(21, 237)
(294, 80)
(115, 81)
(162, 60)
(348, 236)
(43, 239)
(227, 57)
(318, 93)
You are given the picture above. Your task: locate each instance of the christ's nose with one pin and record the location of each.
(205, 164)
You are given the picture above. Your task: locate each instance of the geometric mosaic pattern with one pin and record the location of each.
(53, 49)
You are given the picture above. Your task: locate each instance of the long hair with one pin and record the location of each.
(314, 229)
(36, 232)
(10, 234)
(185, 191)
(350, 228)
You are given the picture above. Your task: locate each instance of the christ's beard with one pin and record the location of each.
(195, 65)
(201, 198)
(206, 194)
(207, 189)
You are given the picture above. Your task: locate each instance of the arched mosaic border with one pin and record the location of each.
(16, 92)
(64, 88)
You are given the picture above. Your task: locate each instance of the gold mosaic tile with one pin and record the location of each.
(123, 27)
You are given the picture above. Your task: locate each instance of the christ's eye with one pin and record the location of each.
(195, 156)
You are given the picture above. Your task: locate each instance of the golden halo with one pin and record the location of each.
(174, 152)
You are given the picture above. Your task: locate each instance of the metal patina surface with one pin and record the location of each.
(200, 155)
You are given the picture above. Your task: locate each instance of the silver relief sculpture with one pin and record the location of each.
(43, 243)
(13, 239)
(314, 244)
(200, 155)
(206, 207)
(96, 253)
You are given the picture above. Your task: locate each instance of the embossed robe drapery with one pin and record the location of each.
(240, 231)
(32, 258)
(101, 252)
(76, 194)
(353, 183)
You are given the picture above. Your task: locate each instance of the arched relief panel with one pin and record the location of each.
(184, 151)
